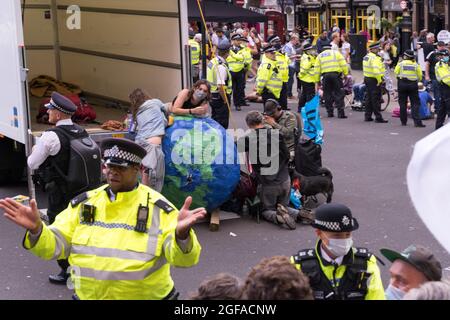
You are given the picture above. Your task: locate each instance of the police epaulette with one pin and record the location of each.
(79, 199)
(303, 255)
(164, 206)
(363, 253)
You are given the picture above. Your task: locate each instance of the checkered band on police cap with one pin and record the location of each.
(117, 153)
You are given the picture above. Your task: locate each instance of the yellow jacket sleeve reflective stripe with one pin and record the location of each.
(375, 289)
(176, 256)
(419, 72)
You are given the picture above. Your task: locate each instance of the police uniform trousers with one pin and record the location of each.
(284, 96)
(219, 109)
(333, 92)
(271, 195)
(266, 95)
(408, 89)
(195, 73)
(308, 92)
(58, 200)
(373, 99)
(238, 88)
(444, 109)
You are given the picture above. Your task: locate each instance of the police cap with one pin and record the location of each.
(273, 39)
(444, 52)
(409, 54)
(326, 45)
(308, 46)
(191, 33)
(122, 152)
(268, 49)
(61, 103)
(223, 46)
(375, 45)
(236, 36)
(334, 217)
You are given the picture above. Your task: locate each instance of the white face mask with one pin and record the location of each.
(394, 293)
(340, 247)
(199, 95)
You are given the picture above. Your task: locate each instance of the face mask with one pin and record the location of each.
(393, 293)
(199, 95)
(445, 59)
(340, 247)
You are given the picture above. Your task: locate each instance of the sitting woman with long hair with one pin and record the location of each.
(193, 101)
(149, 115)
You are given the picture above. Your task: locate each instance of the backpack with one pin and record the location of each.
(84, 170)
(308, 158)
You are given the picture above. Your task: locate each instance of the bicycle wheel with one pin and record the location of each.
(385, 99)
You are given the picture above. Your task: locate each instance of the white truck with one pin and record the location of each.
(107, 47)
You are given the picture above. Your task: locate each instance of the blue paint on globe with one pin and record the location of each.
(201, 161)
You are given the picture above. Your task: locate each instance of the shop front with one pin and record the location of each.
(340, 15)
(311, 14)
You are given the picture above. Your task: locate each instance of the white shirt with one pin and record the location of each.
(334, 46)
(251, 43)
(327, 258)
(345, 50)
(221, 72)
(47, 145)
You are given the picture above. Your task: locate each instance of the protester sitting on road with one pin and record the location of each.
(121, 238)
(151, 126)
(222, 286)
(426, 101)
(336, 269)
(276, 278)
(359, 91)
(193, 101)
(410, 269)
(432, 290)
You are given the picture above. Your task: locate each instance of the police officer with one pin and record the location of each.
(195, 56)
(336, 269)
(373, 69)
(53, 151)
(219, 77)
(307, 75)
(442, 71)
(121, 238)
(409, 74)
(331, 65)
(283, 62)
(248, 61)
(268, 78)
(236, 63)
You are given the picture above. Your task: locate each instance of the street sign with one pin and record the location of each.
(444, 35)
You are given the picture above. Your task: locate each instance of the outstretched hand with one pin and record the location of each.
(187, 218)
(24, 216)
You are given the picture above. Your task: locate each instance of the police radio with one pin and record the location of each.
(142, 217)
(88, 213)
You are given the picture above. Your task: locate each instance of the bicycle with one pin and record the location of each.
(385, 99)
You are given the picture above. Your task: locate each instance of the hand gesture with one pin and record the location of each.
(269, 120)
(201, 110)
(27, 217)
(187, 218)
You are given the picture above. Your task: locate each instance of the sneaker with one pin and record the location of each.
(306, 216)
(285, 217)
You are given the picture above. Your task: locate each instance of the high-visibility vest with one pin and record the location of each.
(109, 259)
(307, 72)
(409, 70)
(443, 73)
(248, 58)
(211, 76)
(195, 51)
(269, 77)
(373, 67)
(236, 60)
(283, 65)
(330, 61)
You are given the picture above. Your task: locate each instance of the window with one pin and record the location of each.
(314, 23)
(341, 18)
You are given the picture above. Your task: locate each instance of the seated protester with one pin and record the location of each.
(222, 286)
(193, 101)
(276, 279)
(151, 127)
(283, 120)
(269, 157)
(425, 103)
(359, 91)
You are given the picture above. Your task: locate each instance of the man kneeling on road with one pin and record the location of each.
(120, 238)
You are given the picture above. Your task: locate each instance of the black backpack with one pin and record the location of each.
(308, 158)
(84, 171)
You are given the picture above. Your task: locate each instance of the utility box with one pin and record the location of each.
(358, 50)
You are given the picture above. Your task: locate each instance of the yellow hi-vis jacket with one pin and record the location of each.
(443, 72)
(248, 58)
(334, 274)
(236, 60)
(269, 77)
(283, 62)
(108, 258)
(330, 61)
(211, 76)
(195, 51)
(307, 72)
(408, 70)
(373, 67)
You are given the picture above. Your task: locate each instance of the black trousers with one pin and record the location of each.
(373, 98)
(58, 200)
(284, 96)
(333, 92)
(219, 109)
(266, 95)
(308, 92)
(238, 88)
(408, 89)
(444, 109)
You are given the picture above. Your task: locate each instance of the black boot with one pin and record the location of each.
(60, 278)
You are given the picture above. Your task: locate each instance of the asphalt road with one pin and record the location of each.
(368, 161)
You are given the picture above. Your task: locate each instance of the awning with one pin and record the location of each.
(222, 12)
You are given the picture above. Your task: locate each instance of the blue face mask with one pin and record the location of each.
(445, 59)
(393, 293)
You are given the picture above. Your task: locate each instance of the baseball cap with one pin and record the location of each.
(419, 257)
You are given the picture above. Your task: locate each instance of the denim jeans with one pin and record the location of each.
(359, 91)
